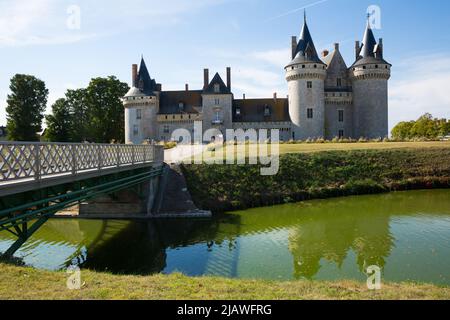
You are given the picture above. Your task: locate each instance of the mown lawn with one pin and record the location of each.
(26, 283)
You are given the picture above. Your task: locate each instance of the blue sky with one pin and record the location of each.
(179, 38)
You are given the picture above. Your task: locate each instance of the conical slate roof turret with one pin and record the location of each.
(306, 50)
(144, 82)
(369, 43)
(371, 52)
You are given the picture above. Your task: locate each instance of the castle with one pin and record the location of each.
(327, 99)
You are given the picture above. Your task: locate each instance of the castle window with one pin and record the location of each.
(303, 66)
(138, 114)
(309, 84)
(135, 130)
(341, 134)
(166, 129)
(217, 102)
(310, 113)
(217, 119)
(167, 117)
(217, 88)
(339, 82)
(315, 66)
(376, 66)
(341, 115)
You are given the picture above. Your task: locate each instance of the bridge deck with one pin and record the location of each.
(29, 166)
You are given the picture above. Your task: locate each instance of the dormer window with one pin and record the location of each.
(238, 111)
(267, 111)
(339, 82)
(217, 88)
(181, 106)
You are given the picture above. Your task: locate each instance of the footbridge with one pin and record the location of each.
(37, 180)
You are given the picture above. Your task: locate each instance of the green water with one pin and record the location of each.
(407, 234)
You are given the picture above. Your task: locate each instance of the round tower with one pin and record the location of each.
(306, 75)
(370, 75)
(141, 107)
(140, 116)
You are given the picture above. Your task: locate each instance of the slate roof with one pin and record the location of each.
(252, 110)
(135, 92)
(306, 50)
(145, 83)
(217, 80)
(369, 49)
(170, 102)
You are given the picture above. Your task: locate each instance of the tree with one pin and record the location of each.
(25, 108)
(445, 128)
(425, 127)
(402, 131)
(105, 109)
(59, 122)
(78, 113)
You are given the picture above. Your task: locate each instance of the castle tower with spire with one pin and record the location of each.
(370, 74)
(306, 75)
(141, 106)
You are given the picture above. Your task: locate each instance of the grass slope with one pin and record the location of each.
(26, 283)
(304, 176)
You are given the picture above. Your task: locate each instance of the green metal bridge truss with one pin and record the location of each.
(23, 214)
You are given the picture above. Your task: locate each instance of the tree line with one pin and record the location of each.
(92, 114)
(426, 127)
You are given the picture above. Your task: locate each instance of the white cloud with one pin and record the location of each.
(276, 57)
(44, 22)
(423, 87)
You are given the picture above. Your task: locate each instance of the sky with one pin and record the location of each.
(66, 43)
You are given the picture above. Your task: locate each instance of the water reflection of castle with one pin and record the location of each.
(352, 230)
(331, 239)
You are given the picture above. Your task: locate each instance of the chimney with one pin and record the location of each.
(357, 49)
(275, 96)
(134, 72)
(336, 46)
(205, 78)
(294, 46)
(159, 87)
(229, 78)
(243, 96)
(325, 53)
(187, 87)
(380, 46)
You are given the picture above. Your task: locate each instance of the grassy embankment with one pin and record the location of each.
(26, 283)
(311, 172)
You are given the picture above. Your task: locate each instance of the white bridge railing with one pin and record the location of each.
(21, 160)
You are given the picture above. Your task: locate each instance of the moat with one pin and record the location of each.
(407, 234)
